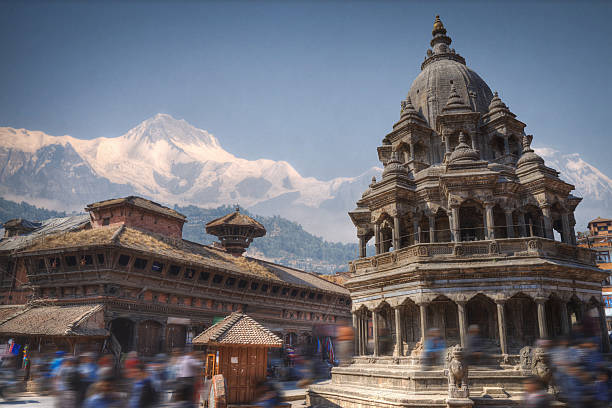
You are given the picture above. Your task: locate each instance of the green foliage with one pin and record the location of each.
(10, 210)
(285, 241)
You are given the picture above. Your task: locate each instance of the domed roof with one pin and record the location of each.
(442, 69)
(463, 152)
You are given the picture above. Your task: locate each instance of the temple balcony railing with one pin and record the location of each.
(466, 250)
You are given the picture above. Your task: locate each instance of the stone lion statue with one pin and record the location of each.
(457, 373)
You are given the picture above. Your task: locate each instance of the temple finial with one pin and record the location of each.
(438, 27)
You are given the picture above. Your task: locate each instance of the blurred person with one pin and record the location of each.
(101, 393)
(475, 345)
(142, 394)
(68, 384)
(601, 391)
(268, 395)
(181, 398)
(88, 370)
(345, 344)
(189, 369)
(535, 394)
(8, 377)
(433, 348)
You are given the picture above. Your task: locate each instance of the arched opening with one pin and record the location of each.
(420, 152)
(575, 311)
(497, 147)
(403, 150)
(411, 326)
(291, 339)
(386, 234)
(514, 145)
(424, 225)
(442, 230)
(176, 336)
(386, 330)
(521, 321)
(123, 330)
(554, 322)
(471, 221)
(556, 213)
(442, 314)
(499, 220)
(482, 312)
(534, 222)
(149, 338)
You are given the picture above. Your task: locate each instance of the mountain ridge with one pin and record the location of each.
(171, 161)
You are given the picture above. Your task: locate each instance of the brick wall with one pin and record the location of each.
(138, 218)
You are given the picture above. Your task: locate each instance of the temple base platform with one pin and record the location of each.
(399, 382)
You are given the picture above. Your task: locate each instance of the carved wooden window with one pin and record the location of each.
(285, 291)
(124, 260)
(106, 221)
(174, 270)
(319, 296)
(264, 287)
(254, 285)
(189, 273)
(275, 289)
(204, 276)
(41, 265)
(86, 260)
(140, 263)
(311, 295)
(302, 294)
(100, 259)
(294, 293)
(54, 263)
(71, 260)
(242, 284)
(217, 278)
(157, 266)
(229, 282)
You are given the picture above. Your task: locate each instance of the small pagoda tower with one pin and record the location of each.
(235, 231)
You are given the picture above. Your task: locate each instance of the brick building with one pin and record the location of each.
(157, 290)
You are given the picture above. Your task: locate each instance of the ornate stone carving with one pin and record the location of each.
(422, 251)
(534, 245)
(540, 366)
(525, 355)
(494, 248)
(457, 374)
(458, 250)
(374, 262)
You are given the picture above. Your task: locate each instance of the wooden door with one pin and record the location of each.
(243, 368)
(149, 338)
(175, 337)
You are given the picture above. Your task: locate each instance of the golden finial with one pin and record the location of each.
(438, 24)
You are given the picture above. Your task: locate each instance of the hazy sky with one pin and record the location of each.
(315, 83)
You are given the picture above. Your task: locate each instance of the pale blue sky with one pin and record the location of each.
(315, 83)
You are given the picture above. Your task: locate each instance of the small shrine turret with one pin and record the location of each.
(235, 231)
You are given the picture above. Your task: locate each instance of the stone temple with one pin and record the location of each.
(470, 228)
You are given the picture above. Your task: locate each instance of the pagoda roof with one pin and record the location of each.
(236, 218)
(137, 202)
(238, 329)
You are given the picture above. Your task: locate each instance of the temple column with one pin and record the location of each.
(541, 317)
(363, 333)
(506, 146)
(548, 230)
(605, 339)
(509, 226)
(377, 242)
(564, 319)
(462, 322)
(566, 228)
(411, 151)
(446, 145)
(356, 332)
(501, 324)
(423, 321)
(416, 229)
(375, 331)
(522, 226)
(455, 224)
(490, 222)
(396, 233)
(135, 336)
(399, 341)
(432, 228)
(362, 246)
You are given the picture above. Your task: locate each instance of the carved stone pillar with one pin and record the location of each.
(411, 151)
(564, 319)
(509, 226)
(605, 339)
(377, 242)
(462, 322)
(490, 222)
(423, 316)
(356, 332)
(566, 228)
(455, 224)
(135, 337)
(399, 341)
(446, 144)
(432, 228)
(416, 229)
(450, 226)
(541, 317)
(501, 323)
(506, 146)
(362, 246)
(396, 233)
(548, 230)
(363, 334)
(522, 226)
(375, 331)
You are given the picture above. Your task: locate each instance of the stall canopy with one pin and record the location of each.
(54, 321)
(238, 328)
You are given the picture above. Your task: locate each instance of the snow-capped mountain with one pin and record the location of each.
(591, 184)
(172, 162)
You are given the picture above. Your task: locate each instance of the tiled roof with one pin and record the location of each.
(184, 251)
(10, 310)
(47, 227)
(238, 219)
(238, 328)
(599, 219)
(138, 202)
(58, 321)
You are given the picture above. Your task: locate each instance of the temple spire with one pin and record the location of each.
(440, 45)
